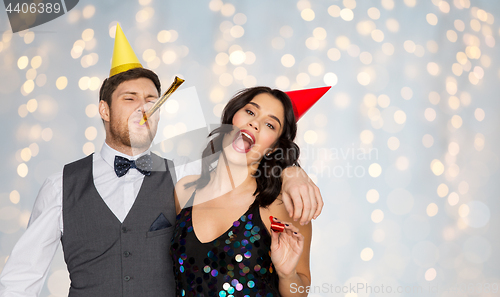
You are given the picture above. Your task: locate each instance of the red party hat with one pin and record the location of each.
(303, 100)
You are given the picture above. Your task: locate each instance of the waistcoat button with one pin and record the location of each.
(124, 229)
(126, 278)
(126, 254)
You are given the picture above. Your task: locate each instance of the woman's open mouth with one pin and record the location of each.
(243, 141)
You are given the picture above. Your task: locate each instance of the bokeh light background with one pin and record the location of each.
(404, 146)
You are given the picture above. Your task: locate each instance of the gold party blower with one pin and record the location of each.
(177, 82)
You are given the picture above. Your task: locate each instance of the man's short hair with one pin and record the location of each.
(110, 84)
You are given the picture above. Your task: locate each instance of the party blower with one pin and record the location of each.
(145, 115)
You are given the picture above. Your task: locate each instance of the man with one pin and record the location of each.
(113, 211)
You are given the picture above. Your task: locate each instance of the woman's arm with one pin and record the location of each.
(290, 250)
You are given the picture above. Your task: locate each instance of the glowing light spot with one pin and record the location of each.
(402, 163)
(409, 46)
(388, 49)
(432, 209)
(451, 85)
(365, 27)
(341, 100)
(61, 82)
(14, 197)
(312, 43)
(456, 121)
(239, 73)
(393, 143)
(282, 82)
(451, 35)
(47, 134)
(432, 46)
(479, 114)
(22, 62)
(287, 60)
(310, 137)
(432, 19)
(237, 31)
(374, 13)
(88, 11)
(88, 148)
(87, 34)
(430, 114)
(319, 33)
(28, 86)
(307, 14)
(442, 190)
(400, 117)
(346, 14)
(22, 170)
(433, 68)
(164, 36)
(303, 79)
(25, 154)
(286, 31)
(377, 35)
(377, 216)
(315, 69)
(250, 58)
(91, 133)
(365, 58)
(169, 57)
(91, 110)
(227, 9)
(453, 199)
(463, 210)
(479, 141)
(330, 79)
(32, 105)
(333, 54)
(364, 78)
(372, 196)
(366, 254)
(22, 110)
(383, 100)
(437, 167)
(430, 274)
(388, 4)
(410, 3)
(374, 170)
(392, 25)
(342, 42)
(334, 11)
(366, 136)
(215, 5)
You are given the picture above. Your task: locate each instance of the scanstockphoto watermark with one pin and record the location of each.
(365, 288)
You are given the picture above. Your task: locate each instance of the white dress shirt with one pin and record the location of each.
(27, 267)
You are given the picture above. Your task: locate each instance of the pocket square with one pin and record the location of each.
(161, 222)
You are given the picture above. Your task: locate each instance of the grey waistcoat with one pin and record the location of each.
(108, 258)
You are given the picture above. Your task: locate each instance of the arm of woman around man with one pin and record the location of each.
(290, 250)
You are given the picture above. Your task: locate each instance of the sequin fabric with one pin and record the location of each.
(237, 263)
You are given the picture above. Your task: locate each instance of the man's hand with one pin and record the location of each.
(300, 195)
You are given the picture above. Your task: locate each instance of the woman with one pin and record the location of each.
(223, 244)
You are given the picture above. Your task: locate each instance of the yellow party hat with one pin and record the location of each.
(124, 57)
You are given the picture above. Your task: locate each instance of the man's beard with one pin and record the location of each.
(120, 132)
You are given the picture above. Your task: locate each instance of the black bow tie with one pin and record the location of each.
(143, 165)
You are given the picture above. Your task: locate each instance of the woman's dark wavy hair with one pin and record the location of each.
(268, 174)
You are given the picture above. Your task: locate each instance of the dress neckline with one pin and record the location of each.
(247, 213)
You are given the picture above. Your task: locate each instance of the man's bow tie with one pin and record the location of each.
(143, 165)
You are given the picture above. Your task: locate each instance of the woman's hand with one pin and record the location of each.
(286, 248)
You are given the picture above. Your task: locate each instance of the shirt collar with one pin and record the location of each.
(108, 154)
